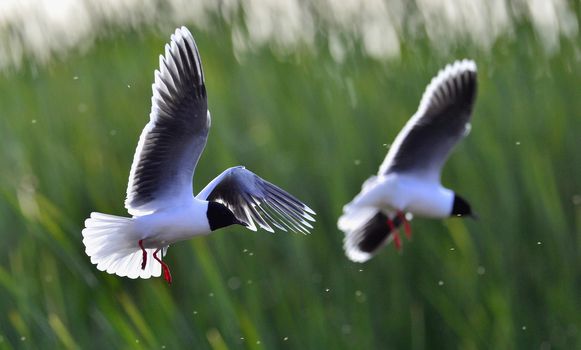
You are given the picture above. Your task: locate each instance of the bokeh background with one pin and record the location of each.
(309, 95)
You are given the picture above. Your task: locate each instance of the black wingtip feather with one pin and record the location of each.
(455, 85)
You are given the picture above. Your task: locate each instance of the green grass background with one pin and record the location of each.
(318, 129)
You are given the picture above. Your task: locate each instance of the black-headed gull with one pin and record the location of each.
(409, 178)
(160, 192)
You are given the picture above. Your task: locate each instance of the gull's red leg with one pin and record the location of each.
(144, 259)
(406, 224)
(396, 238)
(164, 267)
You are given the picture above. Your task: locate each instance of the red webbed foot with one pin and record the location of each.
(406, 224)
(144, 258)
(164, 267)
(395, 232)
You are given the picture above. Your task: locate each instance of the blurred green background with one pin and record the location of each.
(315, 117)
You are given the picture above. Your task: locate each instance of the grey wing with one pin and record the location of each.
(442, 119)
(363, 241)
(171, 143)
(258, 202)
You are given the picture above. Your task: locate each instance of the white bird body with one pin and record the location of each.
(395, 192)
(173, 224)
(160, 189)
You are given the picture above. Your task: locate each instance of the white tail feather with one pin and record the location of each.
(350, 222)
(354, 216)
(113, 246)
(354, 223)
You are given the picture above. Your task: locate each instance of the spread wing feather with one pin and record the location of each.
(257, 202)
(442, 119)
(171, 143)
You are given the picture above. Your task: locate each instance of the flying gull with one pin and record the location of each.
(160, 192)
(408, 182)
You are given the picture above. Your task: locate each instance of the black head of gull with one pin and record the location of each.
(408, 181)
(160, 189)
(461, 207)
(219, 216)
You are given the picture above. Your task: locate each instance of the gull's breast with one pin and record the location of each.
(175, 224)
(428, 200)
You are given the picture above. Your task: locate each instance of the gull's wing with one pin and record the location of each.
(366, 232)
(171, 143)
(253, 199)
(442, 119)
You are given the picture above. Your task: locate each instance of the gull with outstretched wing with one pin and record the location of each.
(408, 181)
(160, 190)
